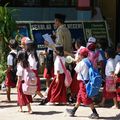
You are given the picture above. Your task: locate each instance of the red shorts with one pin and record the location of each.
(82, 96)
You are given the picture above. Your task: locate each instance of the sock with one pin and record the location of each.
(74, 109)
(94, 111)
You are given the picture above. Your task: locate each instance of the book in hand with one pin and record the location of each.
(48, 38)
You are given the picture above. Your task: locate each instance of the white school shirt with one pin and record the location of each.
(110, 66)
(10, 57)
(32, 62)
(58, 66)
(117, 58)
(19, 70)
(82, 69)
(117, 68)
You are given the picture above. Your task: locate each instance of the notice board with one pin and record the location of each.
(96, 29)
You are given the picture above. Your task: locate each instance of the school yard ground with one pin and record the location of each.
(9, 111)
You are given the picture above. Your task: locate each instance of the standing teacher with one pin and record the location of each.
(62, 34)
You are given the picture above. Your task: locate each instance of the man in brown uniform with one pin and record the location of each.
(62, 34)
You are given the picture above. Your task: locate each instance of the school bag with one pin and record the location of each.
(68, 77)
(93, 57)
(14, 68)
(29, 86)
(95, 80)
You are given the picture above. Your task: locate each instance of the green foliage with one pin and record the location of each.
(8, 26)
(2, 73)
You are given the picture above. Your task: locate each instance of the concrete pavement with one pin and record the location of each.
(9, 111)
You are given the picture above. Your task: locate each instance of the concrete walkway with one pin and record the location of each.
(9, 111)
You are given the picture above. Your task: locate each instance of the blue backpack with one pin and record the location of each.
(95, 80)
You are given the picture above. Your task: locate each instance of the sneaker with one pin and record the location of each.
(94, 116)
(70, 112)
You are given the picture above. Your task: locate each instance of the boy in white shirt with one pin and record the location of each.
(82, 97)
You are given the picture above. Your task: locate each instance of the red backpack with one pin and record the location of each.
(93, 57)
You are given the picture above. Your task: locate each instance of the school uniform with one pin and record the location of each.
(57, 90)
(63, 37)
(82, 76)
(33, 65)
(110, 67)
(22, 98)
(8, 81)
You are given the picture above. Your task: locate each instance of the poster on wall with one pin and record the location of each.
(23, 29)
(76, 29)
(96, 29)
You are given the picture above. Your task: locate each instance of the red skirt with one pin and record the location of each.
(82, 96)
(108, 95)
(22, 98)
(57, 90)
(118, 88)
(38, 80)
(8, 81)
(48, 75)
(74, 87)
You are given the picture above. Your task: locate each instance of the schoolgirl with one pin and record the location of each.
(34, 65)
(57, 89)
(23, 100)
(9, 77)
(109, 81)
(82, 97)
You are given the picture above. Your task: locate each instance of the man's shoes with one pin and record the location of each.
(70, 112)
(94, 116)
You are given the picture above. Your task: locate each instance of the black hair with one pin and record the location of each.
(60, 17)
(23, 59)
(32, 50)
(13, 44)
(60, 50)
(110, 52)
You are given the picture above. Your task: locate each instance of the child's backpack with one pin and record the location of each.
(95, 80)
(14, 68)
(29, 86)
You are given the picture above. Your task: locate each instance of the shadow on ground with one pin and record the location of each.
(46, 113)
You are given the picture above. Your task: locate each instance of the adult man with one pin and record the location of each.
(62, 34)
